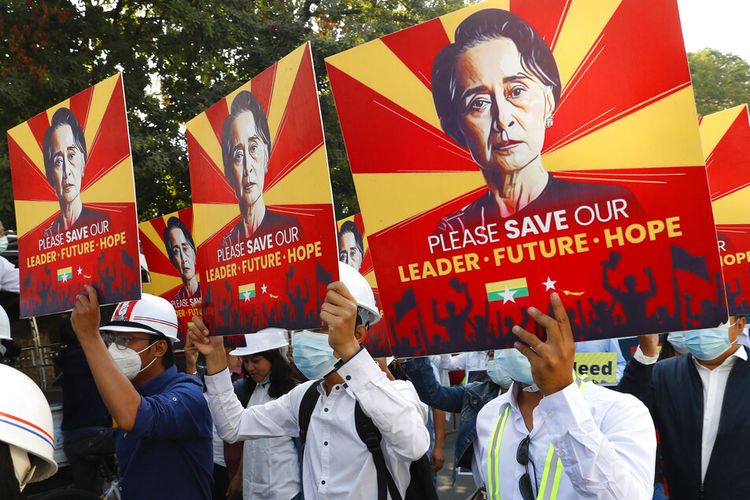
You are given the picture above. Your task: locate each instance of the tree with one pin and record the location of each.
(720, 80)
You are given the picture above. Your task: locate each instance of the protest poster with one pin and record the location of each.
(726, 146)
(168, 246)
(598, 367)
(74, 197)
(516, 148)
(355, 251)
(262, 204)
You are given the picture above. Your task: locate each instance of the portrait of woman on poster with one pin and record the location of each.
(495, 91)
(180, 248)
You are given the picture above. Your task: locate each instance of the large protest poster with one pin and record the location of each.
(74, 196)
(262, 204)
(515, 148)
(355, 251)
(168, 246)
(726, 146)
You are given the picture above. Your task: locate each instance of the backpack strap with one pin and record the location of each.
(306, 407)
(370, 436)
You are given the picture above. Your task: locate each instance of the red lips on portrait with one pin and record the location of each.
(505, 146)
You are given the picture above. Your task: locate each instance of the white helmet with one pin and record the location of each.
(362, 292)
(4, 325)
(264, 340)
(150, 314)
(26, 425)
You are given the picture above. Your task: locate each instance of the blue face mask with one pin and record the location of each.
(708, 343)
(497, 374)
(3, 243)
(677, 339)
(312, 354)
(515, 365)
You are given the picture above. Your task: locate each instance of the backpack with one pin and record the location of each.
(420, 487)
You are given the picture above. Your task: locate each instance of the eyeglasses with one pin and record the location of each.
(522, 457)
(121, 340)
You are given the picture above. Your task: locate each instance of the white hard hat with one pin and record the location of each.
(362, 292)
(4, 325)
(264, 340)
(26, 421)
(150, 314)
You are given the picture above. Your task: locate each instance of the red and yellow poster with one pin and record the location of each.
(726, 145)
(167, 243)
(75, 201)
(262, 203)
(355, 251)
(520, 147)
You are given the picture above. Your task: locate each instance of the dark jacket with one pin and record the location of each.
(673, 391)
(465, 399)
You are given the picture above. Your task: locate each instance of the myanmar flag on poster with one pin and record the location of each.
(726, 145)
(74, 196)
(262, 204)
(536, 140)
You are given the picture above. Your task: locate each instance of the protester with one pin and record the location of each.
(9, 348)
(701, 405)
(564, 438)
(164, 426)
(9, 280)
(26, 434)
(344, 377)
(467, 361)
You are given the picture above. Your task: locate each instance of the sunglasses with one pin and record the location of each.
(522, 457)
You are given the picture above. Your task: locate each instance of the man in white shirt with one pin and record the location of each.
(9, 281)
(701, 405)
(551, 436)
(336, 463)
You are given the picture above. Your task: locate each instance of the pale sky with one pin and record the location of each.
(716, 24)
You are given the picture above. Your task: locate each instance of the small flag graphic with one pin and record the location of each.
(507, 290)
(65, 274)
(247, 292)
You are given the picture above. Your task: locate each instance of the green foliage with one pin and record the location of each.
(178, 57)
(720, 81)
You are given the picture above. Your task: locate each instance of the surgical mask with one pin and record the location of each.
(22, 467)
(497, 374)
(515, 365)
(128, 360)
(708, 343)
(312, 354)
(677, 339)
(3, 243)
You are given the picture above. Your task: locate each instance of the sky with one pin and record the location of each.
(717, 24)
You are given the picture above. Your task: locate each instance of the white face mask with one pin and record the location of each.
(3, 243)
(128, 360)
(22, 467)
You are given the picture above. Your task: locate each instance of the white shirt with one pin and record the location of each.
(605, 440)
(467, 361)
(9, 281)
(336, 463)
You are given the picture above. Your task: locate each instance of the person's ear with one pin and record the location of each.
(549, 100)
(160, 348)
(360, 333)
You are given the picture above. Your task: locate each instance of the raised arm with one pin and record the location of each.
(430, 391)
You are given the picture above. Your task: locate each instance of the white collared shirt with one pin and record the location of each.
(605, 440)
(9, 281)
(336, 464)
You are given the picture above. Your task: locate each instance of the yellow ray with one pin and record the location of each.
(204, 135)
(116, 186)
(157, 239)
(303, 184)
(286, 73)
(24, 137)
(160, 283)
(452, 20)
(51, 111)
(662, 134)
(375, 65)
(34, 213)
(209, 218)
(714, 126)
(583, 25)
(99, 102)
(733, 208)
(230, 97)
(408, 194)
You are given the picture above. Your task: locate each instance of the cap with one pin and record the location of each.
(264, 340)
(360, 288)
(150, 314)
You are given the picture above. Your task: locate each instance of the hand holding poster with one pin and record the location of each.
(543, 149)
(75, 201)
(726, 145)
(262, 202)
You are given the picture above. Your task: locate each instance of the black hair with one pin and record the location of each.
(351, 227)
(244, 101)
(482, 26)
(175, 223)
(9, 487)
(281, 378)
(63, 116)
(168, 358)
